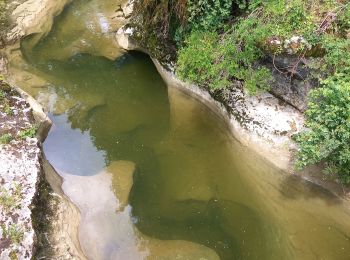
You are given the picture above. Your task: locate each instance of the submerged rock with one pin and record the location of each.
(123, 174)
(177, 249)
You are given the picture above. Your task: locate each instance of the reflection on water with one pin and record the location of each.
(155, 173)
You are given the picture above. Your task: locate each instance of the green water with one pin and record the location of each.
(193, 181)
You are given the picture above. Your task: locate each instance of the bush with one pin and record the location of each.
(208, 14)
(328, 120)
(13, 232)
(213, 60)
(328, 116)
(195, 62)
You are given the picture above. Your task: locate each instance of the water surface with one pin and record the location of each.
(156, 173)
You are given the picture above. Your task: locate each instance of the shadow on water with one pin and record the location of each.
(294, 187)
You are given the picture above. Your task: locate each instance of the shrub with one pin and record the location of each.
(328, 122)
(213, 60)
(208, 14)
(195, 62)
(10, 201)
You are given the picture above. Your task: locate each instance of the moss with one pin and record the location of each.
(28, 132)
(6, 138)
(10, 201)
(13, 255)
(13, 232)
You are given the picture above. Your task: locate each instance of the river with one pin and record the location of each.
(155, 173)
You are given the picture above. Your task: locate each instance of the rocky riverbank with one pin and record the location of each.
(267, 121)
(20, 173)
(33, 211)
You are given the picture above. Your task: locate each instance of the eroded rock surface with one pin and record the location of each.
(292, 79)
(20, 160)
(33, 16)
(56, 220)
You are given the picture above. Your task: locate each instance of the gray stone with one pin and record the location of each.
(292, 80)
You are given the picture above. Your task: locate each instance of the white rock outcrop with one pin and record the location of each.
(20, 171)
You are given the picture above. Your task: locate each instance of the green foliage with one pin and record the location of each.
(4, 102)
(13, 232)
(208, 14)
(2, 94)
(5, 138)
(4, 21)
(337, 57)
(328, 116)
(8, 110)
(213, 60)
(344, 20)
(10, 201)
(6, 200)
(29, 132)
(196, 61)
(328, 120)
(13, 255)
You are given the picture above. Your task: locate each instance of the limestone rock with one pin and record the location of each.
(291, 83)
(125, 40)
(20, 171)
